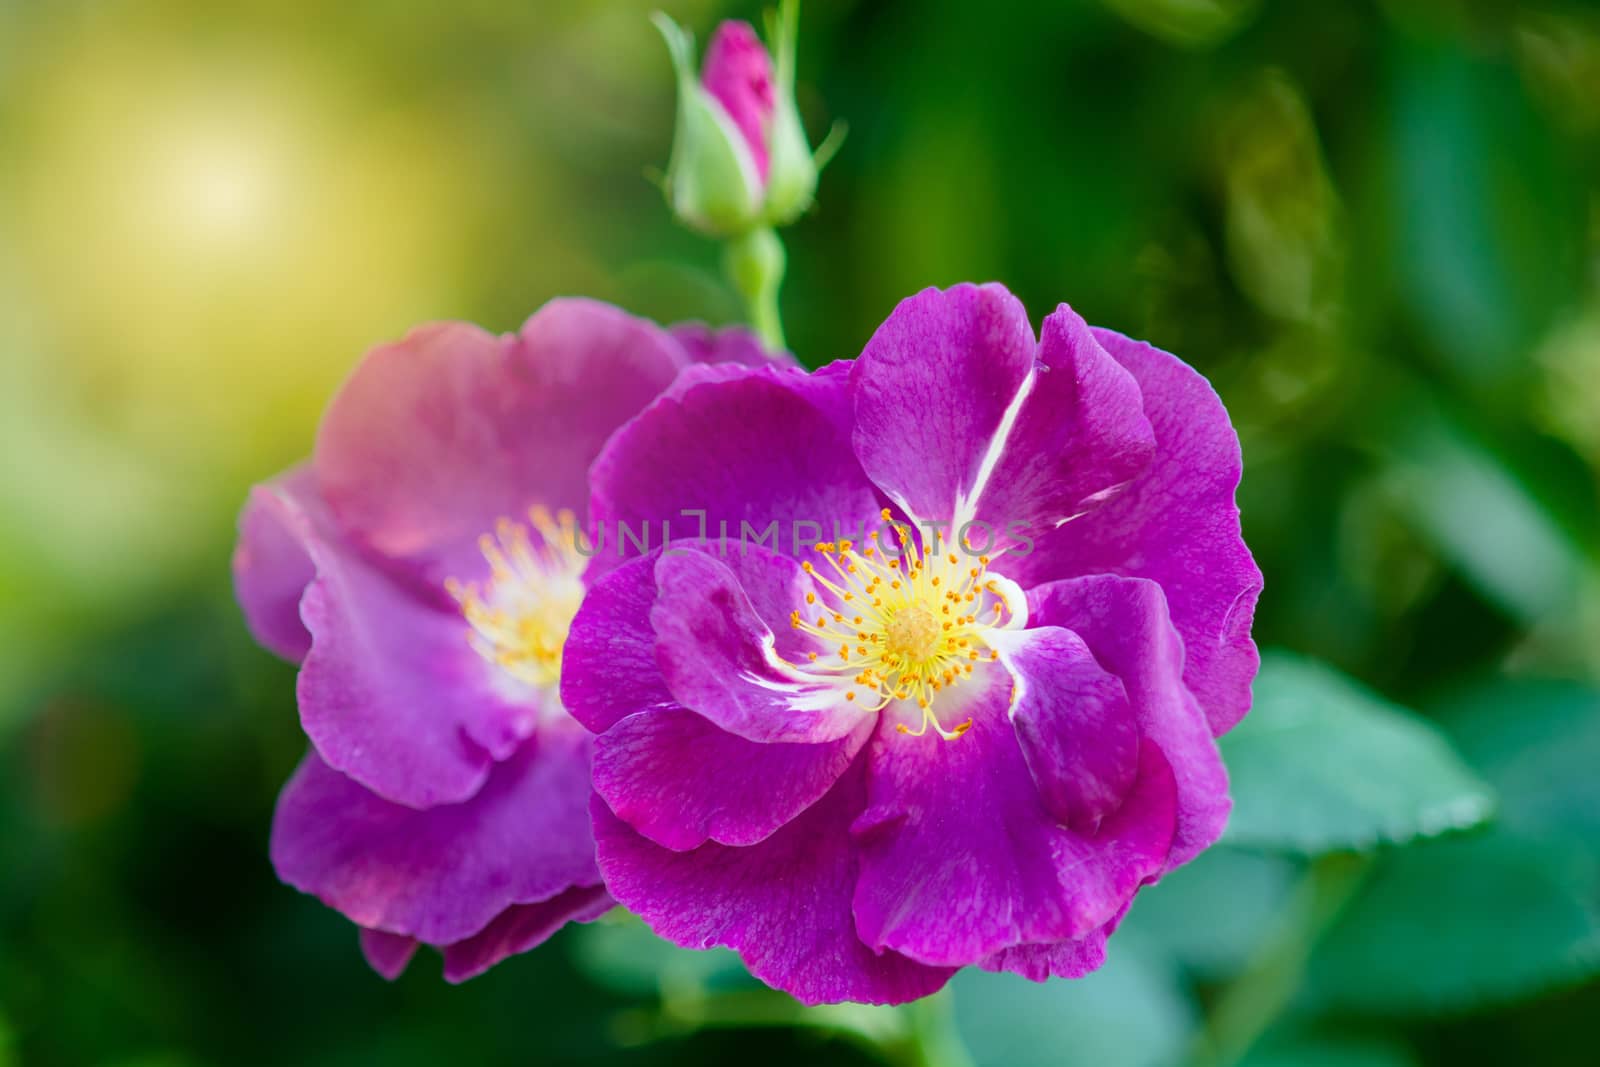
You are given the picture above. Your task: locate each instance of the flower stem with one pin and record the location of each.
(754, 263)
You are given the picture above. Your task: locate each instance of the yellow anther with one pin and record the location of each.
(912, 622)
(518, 619)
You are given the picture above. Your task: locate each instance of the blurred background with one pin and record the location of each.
(1374, 224)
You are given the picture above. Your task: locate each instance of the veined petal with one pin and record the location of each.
(444, 874)
(436, 437)
(523, 927)
(681, 781)
(1063, 959)
(1079, 737)
(1124, 623)
(391, 692)
(935, 389)
(740, 455)
(517, 929)
(782, 904)
(1080, 436)
(961, 858)
(608, 665)
(720, 657)
(669, 771)
(1178, 525)
(272, 564)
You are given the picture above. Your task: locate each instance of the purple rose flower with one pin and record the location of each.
(423, 569)
(970, 729)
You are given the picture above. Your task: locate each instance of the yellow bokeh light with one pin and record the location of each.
(196, 244)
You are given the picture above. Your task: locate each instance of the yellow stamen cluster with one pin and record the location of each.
(519, 618)
(907, 622)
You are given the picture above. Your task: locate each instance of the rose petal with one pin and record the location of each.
(740, 456)
(783, 904)
(727, 344)
(1124, 622)
(1078, 735)
(272, 565)
(1178, 525)
(443, 874)
(434, 438)
(1080, 436)
(720, 658)
(391, 692)
(960, 858)
(388, 954)
(608, 665)
(933, 389)
(681, 781)
(1063, 959)
(520, 928)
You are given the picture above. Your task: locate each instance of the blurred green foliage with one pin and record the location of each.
(1374, 224)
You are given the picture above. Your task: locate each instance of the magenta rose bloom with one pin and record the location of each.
(964, 732)
(423, 569)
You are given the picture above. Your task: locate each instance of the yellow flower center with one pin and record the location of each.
(911, 635)
(908, 623)
(518, 619)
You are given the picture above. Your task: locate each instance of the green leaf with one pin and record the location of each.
(1481, 274)
(1131, 1013)
(1461, 495)
(1538, 742)
(1323, 764)
(1452, 924)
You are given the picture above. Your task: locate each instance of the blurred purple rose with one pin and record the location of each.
(902, 754)
(422, 569)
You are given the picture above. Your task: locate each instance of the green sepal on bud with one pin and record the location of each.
(792, 177)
